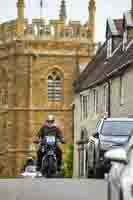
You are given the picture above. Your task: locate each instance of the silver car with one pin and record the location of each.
(120, 177)
(110, 133)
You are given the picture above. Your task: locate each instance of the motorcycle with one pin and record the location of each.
(49, 160)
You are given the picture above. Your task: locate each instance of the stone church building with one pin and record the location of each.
(38, 64)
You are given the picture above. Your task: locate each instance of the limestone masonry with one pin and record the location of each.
(32, 57)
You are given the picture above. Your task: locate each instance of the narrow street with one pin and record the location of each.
(53, 189)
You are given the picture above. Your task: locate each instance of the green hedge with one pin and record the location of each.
(68, 162)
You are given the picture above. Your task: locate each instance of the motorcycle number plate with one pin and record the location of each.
(50, 153)
(43, 149)
(50, 139)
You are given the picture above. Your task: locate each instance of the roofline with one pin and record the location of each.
(107, 76)
(92, 60)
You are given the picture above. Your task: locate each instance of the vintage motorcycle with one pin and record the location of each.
(49, 160)
(49, 163)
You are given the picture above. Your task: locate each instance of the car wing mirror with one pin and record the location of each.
(116, 155)
(95, 135)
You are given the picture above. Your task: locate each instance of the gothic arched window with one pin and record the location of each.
(55, 86)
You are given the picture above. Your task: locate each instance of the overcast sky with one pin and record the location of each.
(76, 10)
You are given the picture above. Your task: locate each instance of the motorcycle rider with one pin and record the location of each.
(50, 128)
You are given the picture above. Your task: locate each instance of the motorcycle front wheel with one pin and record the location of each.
(49, 167)
(51, 171)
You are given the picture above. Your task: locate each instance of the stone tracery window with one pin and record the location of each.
(55, 86)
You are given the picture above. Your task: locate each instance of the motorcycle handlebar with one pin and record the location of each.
(39, 141)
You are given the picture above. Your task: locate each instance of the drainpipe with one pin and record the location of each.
(109, 95)
(109, 98)
(73, 108)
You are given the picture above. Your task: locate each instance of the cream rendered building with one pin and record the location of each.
(105, 86)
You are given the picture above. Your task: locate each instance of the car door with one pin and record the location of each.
(119, 172)
(126, 178)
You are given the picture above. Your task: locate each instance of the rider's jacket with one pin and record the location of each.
(46, 130)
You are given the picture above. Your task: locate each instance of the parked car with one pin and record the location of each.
(110, 133)
(120, 177)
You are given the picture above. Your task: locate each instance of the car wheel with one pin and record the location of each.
(98, 171)
(90, 173)
(121, 195)
(94, 164)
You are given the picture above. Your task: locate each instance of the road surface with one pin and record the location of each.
(53, 189)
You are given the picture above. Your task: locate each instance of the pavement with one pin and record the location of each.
(52, 189)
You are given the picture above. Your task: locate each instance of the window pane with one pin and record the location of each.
(54, 87)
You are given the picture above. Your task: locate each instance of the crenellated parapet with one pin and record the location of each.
(8, 30)
(58, 29)
(41, 29)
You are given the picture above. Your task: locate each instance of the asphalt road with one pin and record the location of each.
(53, 189)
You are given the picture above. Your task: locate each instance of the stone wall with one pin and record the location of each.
(25, 67)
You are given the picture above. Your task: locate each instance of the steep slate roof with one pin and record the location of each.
(92, 68)
(101, 68)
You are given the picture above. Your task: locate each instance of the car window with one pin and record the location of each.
(97, 125)
(117, 127)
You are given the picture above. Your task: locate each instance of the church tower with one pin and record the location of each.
(92, 15)
(41, 61)
(20, 18)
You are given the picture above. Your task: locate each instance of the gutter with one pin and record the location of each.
(121, 67)
(108, 75)
(109, 98)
